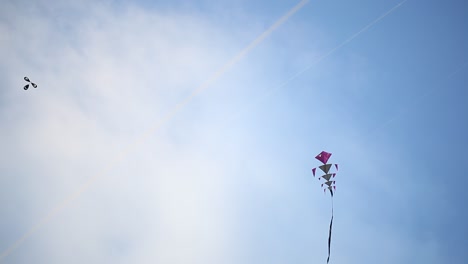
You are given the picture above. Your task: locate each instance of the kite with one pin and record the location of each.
(27, 85)
(329, 184)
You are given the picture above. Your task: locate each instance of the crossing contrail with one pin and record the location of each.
(319, 59)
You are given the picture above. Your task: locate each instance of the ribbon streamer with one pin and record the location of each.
(330, 231)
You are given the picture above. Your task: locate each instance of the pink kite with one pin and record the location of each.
(323, 156)
(330, 185)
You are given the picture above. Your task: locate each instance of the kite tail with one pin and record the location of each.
(330, 231)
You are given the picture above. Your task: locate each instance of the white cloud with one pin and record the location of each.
(115, 73)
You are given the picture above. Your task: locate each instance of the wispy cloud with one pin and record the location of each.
(104, 78)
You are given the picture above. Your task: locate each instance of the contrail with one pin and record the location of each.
(331, 51)
(343, 43)
(457, 70)
(417, 100)
(153, 128)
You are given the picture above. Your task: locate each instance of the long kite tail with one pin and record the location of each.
(330, 231)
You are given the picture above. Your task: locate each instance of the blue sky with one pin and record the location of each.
(227, 179)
